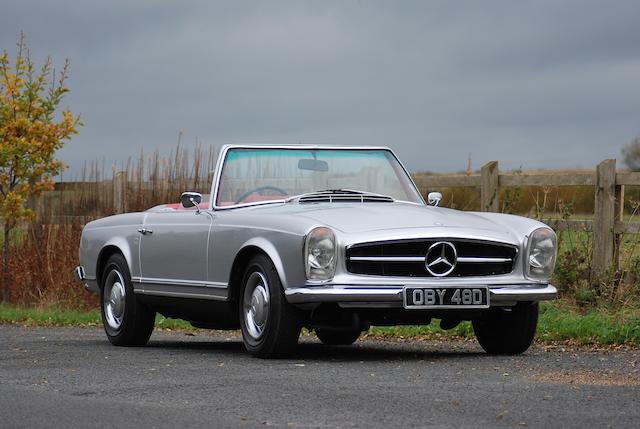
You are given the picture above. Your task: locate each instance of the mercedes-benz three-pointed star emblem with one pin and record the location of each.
(441, 258)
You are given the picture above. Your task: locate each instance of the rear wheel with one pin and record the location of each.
(126, 321)
(332, 337)
(507, 331)
(270, 325)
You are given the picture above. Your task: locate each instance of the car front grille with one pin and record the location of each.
(408, 258)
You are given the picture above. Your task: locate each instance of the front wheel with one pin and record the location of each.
(270, 325)
(126, 321)
(507, 331)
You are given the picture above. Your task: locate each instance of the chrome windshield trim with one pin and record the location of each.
(415, 187)
(226, 148)
(257, 203)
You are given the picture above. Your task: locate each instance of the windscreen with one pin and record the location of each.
(261, 174)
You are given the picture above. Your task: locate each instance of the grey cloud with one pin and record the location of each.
(538, 84)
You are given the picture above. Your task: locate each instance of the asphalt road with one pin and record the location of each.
(72, 377)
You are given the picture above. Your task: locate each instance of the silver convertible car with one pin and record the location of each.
(334, 239)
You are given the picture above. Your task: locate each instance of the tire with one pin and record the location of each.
(126, 321)
(270, 325)
(332, 337)
(507, 331)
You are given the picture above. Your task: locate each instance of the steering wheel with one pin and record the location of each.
(261, 188)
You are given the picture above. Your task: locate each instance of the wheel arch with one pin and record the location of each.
(110, 248)
(251, 248)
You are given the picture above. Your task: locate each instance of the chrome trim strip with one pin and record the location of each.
(415, 187)
(180, 290)
(387, 258)
(480, 260)
(179, 282)
(463, 259)
(180, 294)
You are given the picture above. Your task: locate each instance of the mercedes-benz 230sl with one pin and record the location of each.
(335, 239)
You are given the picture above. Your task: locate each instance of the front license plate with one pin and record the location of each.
(450, 297)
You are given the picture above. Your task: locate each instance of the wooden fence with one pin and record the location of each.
(607, 223)
(120, 195)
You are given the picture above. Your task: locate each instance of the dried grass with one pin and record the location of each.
(44, 254)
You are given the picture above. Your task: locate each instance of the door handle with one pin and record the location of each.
(144, 231)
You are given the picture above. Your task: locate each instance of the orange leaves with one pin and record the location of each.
(13, 208)
(32, 130)
(12, 84)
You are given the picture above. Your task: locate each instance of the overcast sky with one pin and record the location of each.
(535, 84)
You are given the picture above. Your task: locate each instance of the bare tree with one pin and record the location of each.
(631, 154)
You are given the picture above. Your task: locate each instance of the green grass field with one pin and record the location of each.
(559, 321)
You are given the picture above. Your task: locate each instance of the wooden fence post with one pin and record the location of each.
(604, 217)
(37, 204)
(618, 217)
(120, 192)
(489, 198)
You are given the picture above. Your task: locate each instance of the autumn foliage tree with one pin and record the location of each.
(33, 128)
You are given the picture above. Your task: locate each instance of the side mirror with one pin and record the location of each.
(434, 198)
(190, 199)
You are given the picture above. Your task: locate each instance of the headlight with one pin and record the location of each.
(320, 254)
(541, 254)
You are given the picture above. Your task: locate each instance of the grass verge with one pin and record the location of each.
(559, 321)
(51, 316)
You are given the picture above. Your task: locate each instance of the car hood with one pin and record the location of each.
(356, 218)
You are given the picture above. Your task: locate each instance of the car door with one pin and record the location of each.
(174, 253)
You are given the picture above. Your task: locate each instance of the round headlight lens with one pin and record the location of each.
(320, 254)
(541, 253)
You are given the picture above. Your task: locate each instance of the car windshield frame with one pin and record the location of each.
(213, 203)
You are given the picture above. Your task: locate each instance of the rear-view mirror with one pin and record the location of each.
(313, 165)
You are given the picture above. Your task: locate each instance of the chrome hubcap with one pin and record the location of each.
(255, 304)
(114, 299)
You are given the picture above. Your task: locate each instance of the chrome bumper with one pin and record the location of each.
(391, 296)
(80, 273)
(90, 282)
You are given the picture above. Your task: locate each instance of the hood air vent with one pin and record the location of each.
(343, 197)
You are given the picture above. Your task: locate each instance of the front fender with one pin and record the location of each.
(124, 247)
(270, 250)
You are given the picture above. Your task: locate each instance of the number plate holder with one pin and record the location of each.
(417, 297)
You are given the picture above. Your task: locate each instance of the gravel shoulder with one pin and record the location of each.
(73, 377)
